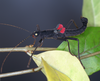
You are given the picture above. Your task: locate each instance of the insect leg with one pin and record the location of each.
(68, 46)
(78, 45)
(66, 39)
(38, 45)
(78, 49)
(70, 22)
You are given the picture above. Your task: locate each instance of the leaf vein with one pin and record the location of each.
(93, 11)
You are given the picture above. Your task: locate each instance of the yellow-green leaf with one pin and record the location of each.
(63, 62)
(91, 10)
(54, 75)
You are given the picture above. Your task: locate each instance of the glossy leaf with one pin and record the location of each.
(89, 42)
(65, 63)
(91, 10)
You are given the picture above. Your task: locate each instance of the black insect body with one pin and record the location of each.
(55, 33)
(59, 33)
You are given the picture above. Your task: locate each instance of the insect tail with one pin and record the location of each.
(84, 21)
(11, 51)
(15, 27)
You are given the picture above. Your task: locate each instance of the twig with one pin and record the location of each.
(20, 72)
(24, 49)
(90, 55)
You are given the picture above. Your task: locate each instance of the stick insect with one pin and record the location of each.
(58, 33)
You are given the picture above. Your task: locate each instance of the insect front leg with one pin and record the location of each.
(38, 45)
(65, 39)
(41, 42)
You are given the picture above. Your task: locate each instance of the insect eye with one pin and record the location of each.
(36, 34)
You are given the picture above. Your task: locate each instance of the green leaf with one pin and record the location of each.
(53, 74)
(89, 43)
(91, 10)
(65, 63)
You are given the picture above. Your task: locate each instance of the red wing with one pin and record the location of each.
(60, 28)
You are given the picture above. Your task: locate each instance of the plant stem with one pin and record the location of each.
(20, 72)
(90, 55)
(24, 49)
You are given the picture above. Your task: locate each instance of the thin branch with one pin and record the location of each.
(90, 55)
(20, 72)
(24, 49)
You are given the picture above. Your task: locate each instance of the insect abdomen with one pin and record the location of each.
(71, 32)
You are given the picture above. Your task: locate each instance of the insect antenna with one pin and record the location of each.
(15, 27)
(37, 28)
(11, 51)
